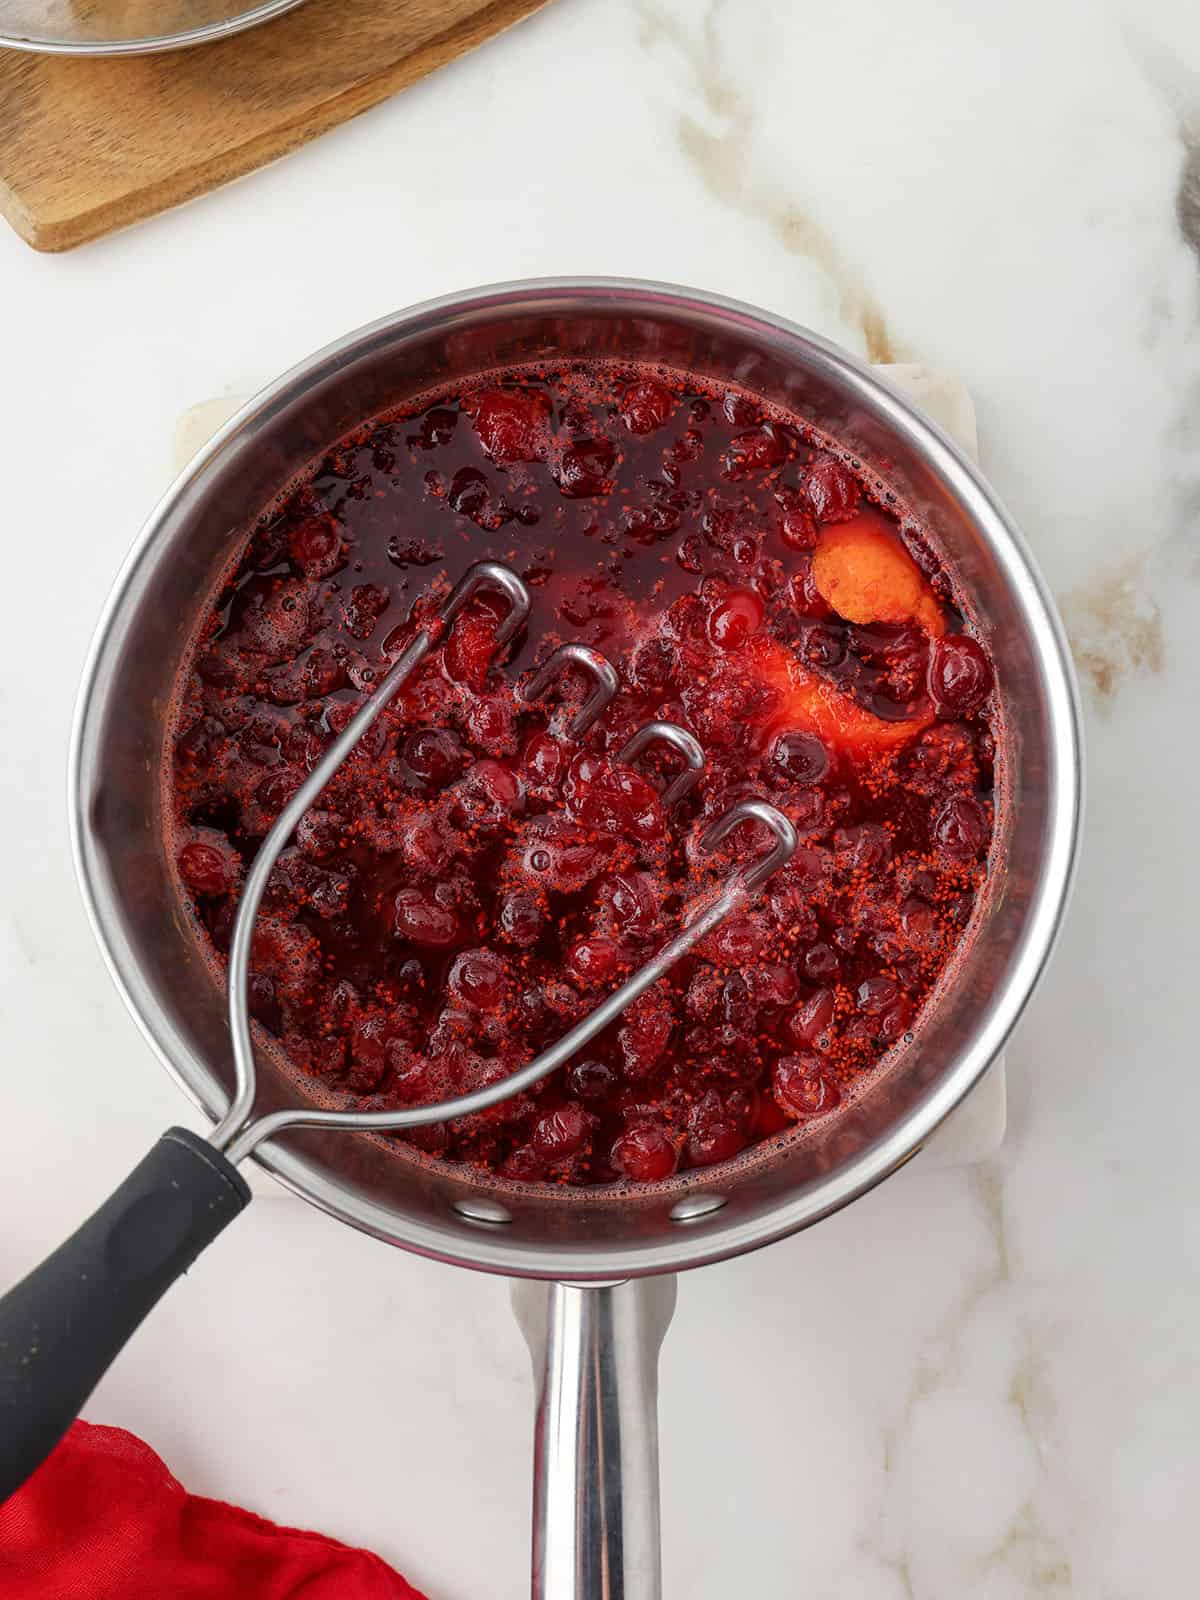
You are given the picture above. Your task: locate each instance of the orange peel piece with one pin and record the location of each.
(807, 703)
(862, 570)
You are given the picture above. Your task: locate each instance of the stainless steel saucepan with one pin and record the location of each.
(598, 1267)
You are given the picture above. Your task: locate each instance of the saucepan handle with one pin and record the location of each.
(595, 1462)
(61, 1326)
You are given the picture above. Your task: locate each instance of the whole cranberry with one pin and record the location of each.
(644, 1035)
(799, 530)
(521, 920)
(418, 918)
(960, 675)
(645, 405)
(545, 761)
(478, 978)
(209, 865)
(315, 545)
(802, 1086)
(738, 617)
(561, 1133)
(799, 758)
(523, 1164)
(592, 1081)
(715, 1131)
(875, 995)
(820, 963)
(584, 469)
(831, 490)
(513, 424)
(594, 961)
(960, 829)
(632, 899)
(811, 1020)
(412, 1074)
(757, 450)
(863, 847)
(435, 755)
(645, 1152)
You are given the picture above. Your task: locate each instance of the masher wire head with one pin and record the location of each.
(235, 1133)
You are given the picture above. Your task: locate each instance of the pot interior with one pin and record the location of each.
(445, 1211)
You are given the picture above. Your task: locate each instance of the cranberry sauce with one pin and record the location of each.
(473, 880)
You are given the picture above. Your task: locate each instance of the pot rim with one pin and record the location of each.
(484, 1246)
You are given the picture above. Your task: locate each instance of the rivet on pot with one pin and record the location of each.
(488, 1211)
(694, 1206)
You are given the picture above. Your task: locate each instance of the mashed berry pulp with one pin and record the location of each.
(474, 880)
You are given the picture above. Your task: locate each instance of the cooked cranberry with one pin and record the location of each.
(561, 856)
(810, 1022)
(513, 424)
(435, 755)
(799, 758)
(802, 1086)
(959, 675)
(893, 1021)
(497, 785)
(774, 984)
(960, 829)
(561, 1133)
(469, 650)
(646, 405)
(585, 467)
(521, 920)
(595, 961)
(823, 644)
(316, 546)
(420, 920)
(736, 619)
(412, 1074)
(412, 552)
(478, 979)
(470, 494)
(943, 757)
(367, 603)
(865, 847)
(704, 991)
(757, 450)
(645, 1034)
(523, 1164)
(264, 1002)
(799, 530)
(322, 673)
(319, 834)
(653, 666)
(874, 995)
(613, 798)
(630, 900)
(820, 963)
(209, 866)
(545, 760)
(593, 1081)
(714, 1132)
(830, 489)
(646, 1153)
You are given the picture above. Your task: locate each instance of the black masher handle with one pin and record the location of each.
(61, 1326)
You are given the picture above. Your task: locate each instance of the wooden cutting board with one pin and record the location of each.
(89, 146)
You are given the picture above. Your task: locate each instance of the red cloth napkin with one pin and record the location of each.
(103, 1519)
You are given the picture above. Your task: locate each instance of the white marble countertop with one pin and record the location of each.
(974, 1384)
